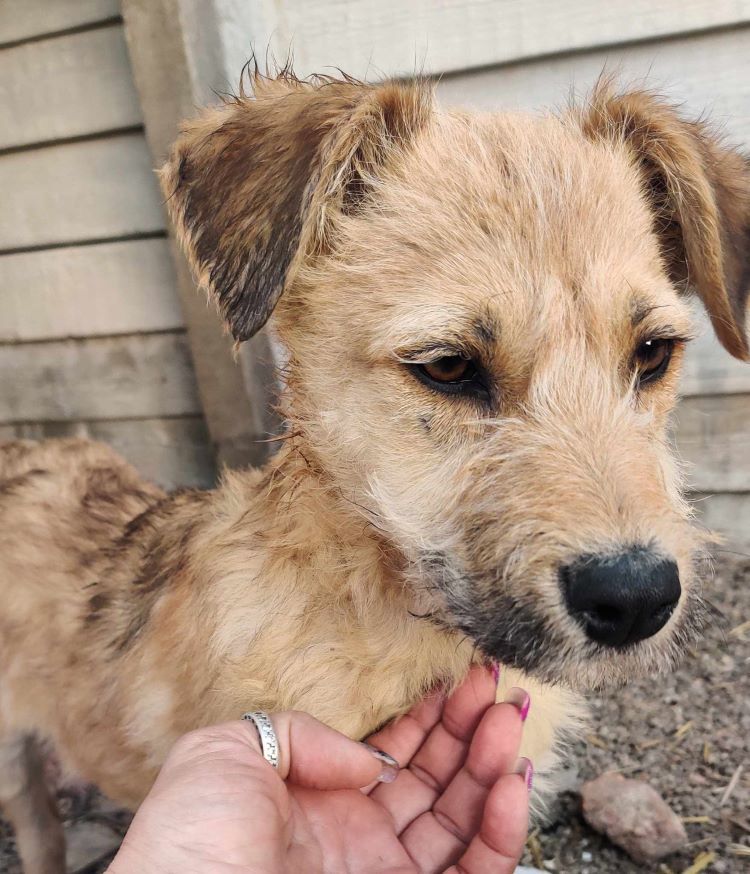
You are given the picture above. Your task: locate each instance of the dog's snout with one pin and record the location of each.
(623, 598)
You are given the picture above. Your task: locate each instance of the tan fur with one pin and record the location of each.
(399, 533)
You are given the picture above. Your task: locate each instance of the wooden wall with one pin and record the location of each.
(92, 337)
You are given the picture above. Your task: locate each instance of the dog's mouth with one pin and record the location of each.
(518, 637)
(553, 648)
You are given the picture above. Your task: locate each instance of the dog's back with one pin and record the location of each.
(61, 503)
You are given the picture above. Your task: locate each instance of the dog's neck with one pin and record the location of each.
(304, 506)
(302, 603)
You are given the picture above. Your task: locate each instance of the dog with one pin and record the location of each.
(483, 318)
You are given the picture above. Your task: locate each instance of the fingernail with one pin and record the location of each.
(390, 767)
(526, 770)
(495, 667)
(519, 698)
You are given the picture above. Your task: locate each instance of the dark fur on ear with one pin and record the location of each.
(700, 190)
(249, 183)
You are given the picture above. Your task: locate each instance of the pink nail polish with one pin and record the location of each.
(521, 699)
(526, 770)
(495, 667)
(390, 767)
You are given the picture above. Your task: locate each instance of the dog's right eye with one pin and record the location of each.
(452, 368)
(452, 374)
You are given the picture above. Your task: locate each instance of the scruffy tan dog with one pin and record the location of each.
(484, 319)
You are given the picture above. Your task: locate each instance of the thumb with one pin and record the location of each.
(314, 755)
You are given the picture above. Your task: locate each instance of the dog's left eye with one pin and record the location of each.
(652, 359)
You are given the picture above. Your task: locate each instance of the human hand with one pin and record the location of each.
(458, 804)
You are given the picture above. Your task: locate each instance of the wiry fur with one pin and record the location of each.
(399, 533)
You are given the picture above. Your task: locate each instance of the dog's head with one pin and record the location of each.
(485, 317)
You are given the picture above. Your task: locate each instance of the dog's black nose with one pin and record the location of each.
(623, 598)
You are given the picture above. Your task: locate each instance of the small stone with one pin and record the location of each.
(587, 857)
(632, 815)
(87, 842)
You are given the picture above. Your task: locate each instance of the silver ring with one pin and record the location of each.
(269, 743)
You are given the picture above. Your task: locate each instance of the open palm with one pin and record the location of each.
(456, 805)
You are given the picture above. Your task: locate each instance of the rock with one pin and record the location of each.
(88, 842)
(632, 815)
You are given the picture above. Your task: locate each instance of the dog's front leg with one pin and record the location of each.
(28, 805)
(556, 716)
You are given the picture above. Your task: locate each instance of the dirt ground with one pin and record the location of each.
(688, 734)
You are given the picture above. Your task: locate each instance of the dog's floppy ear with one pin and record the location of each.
(249, 185)
(700, 191)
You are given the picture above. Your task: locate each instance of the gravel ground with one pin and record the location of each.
(688, 734)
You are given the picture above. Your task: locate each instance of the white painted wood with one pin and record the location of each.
(703, 72)
(21, 19)
(139, 376)
(78, 191)
(728, 515)
(170, 452)
(372, 37)
(85, 291)
(66, 87)
(709, 369)
(713, 437)
(176, 60)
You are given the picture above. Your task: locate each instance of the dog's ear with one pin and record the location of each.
(700, 191)
(251, 185)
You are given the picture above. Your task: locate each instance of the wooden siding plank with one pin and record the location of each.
(138, 376)
(372, 37)
(66, 87)
(702, 72)
(710, 369)
(713, 436)
(78, 191)
(170, 452)
(176, 60)
(728, 515)
(85, 291)
(22, 19)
